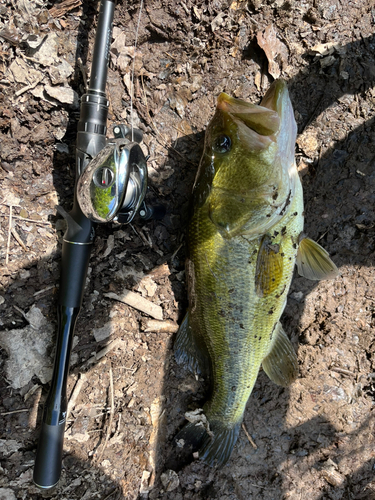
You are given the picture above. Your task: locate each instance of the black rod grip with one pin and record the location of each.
(47, 469)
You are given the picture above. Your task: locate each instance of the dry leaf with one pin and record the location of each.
(275, 50)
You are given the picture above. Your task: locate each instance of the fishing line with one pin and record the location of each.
(132, 78)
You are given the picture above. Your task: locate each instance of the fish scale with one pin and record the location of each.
(244, 238)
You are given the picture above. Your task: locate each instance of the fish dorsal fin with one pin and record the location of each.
(269, 267)
(313, 261)
(281, 363)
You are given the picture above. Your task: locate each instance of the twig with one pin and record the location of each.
(14, 411)
(77, 389)
(18, 239)
(34, 410)
(103, 352)
(24, 316)
(176, 252)
(45, 290)
(249, 437)
(343, 371)
(29, 220)
(9, 233)
(109, 428)
(138, 302)
(110, 494)
(28, 87)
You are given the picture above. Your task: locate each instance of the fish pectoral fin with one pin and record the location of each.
(187, 351)
(313, 261)
(281, 363)
(269, 268)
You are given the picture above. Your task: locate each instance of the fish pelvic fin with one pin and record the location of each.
(218, 444)
(281, 364)
(187, 351)
(313, 262)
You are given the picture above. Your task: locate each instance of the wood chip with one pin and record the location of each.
(62, 8)
(138, 302)
(152, 325)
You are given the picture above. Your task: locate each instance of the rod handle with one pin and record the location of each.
(47, 469)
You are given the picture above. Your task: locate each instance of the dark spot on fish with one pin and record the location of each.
(271, 311)
(273, 279)
(295, 213)
(275, 248)
(290, 258)
(234, 388)
(232, 290)
(255, 336)
(222, 313)
(260, 338)
(268, 215)
(282, 254)
(275, 233)
(241, 326)
(280, 294)
(294, 245)
(283, 231)
(286, 203)
(275, 195)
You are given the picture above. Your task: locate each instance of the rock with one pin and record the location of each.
(170, 480)
(65, 95)
(7, 494)
(27, 349)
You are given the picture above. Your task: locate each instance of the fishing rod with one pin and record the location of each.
(111, 183)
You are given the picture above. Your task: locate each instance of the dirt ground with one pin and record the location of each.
(314, 440)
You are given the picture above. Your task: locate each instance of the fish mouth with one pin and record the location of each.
(260, 119)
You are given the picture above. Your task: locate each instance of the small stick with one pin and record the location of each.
(342, 370)
(14, 411)
(45, 290)
(77, 389)
(9, 233)
(104, 351)
(249, 437)
(17, 217)
(111, 413)
(34, 410)
(18, 238)
(135, 300)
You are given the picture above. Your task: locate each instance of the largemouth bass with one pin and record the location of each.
(244, 238)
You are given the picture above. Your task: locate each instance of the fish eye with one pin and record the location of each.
(222, 144)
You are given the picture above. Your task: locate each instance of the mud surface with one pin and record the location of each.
(312, 441)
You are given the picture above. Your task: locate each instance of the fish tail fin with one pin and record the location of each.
(218, 445)
(215, 446)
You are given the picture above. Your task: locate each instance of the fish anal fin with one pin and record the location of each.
(269, 268)
(281, 364)
(313, 261)
(187, 351)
